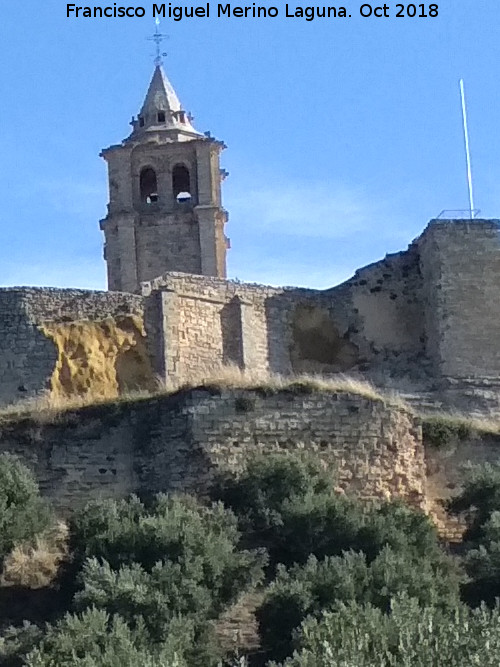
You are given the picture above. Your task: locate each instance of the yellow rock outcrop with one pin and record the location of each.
(100, 359)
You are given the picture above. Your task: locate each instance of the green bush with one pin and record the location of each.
(287, 504)
(433, 581)
(479, 498)
(327, 524)
(482, 564)
(479, 503)
(402, 528)
(483, 567)
(17, 642)
(169, 590)
(23, 513)
(410, 636)
(175, 529)
(322, 524)
(151, 566)
(257, 495)
(319, 585)
(438, 430)
(153, 602)
(301, 591)
(94, 639)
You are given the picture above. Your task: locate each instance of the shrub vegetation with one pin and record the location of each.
(357, 635)
(308, 590)
(479, 502)
(346, 585)
(289, 505)
(95, 639)
(23, 513)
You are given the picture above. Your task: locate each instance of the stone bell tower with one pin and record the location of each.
(164, 211)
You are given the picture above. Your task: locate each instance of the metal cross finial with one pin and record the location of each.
(158, 38)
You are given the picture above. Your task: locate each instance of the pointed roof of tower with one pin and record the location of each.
(161, 94)
(162, 109)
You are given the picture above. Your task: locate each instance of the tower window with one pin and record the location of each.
(148, 186)
(141, 121)
(181, 183)
(161, 116)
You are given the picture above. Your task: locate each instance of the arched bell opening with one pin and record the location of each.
(181, 183)
(148, 186)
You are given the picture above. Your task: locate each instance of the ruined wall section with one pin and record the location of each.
(28, 355)
(178, 443)
(425, 319)
(99, 359)
(383, 307)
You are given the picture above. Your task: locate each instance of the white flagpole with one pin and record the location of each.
(467, 149)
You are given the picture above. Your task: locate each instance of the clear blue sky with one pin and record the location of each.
(344, 136)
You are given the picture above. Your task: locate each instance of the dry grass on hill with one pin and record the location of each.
(233, 377)
(46, 408)
(36, 564)
(49, 408)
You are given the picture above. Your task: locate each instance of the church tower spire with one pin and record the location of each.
(165, 211)
(162, 110)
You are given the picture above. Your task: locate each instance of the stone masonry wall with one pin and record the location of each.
(27, 356)
(461, 266)
(373, 323)
(178, 442)
(424, 320)
(195, 324)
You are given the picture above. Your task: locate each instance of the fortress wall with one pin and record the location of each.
(431, 312)
(102, 359)
(28, 354)
(461, 267)
(178, 442)
(64, 305)
(27, 357)
(382, 309)
(373, 323)
(195, 324)
(430, 266)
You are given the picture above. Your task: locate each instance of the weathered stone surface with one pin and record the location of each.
(178, 442)
(28, 357)
(461, 261)
(420, 321)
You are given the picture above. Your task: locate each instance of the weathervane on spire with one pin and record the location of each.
(158, 38)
